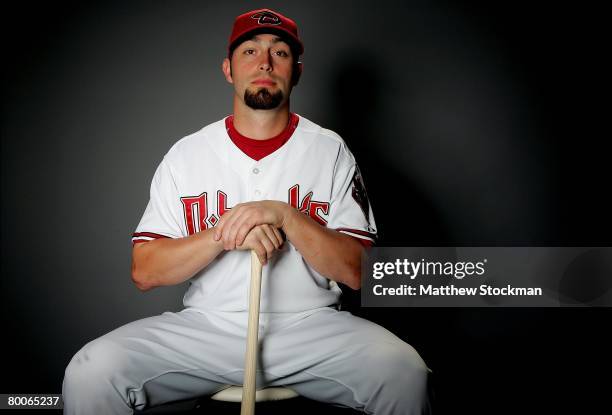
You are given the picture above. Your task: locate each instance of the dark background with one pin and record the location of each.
(474, 124)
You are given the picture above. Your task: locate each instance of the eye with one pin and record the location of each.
(281, 53)
(249, 51)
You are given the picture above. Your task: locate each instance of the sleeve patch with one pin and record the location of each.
(360, 195)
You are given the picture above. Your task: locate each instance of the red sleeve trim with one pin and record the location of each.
(359, 232)
(148, 235)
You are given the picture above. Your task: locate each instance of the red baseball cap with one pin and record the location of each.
(264, 21)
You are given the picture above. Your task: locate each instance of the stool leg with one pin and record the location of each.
(250, 360)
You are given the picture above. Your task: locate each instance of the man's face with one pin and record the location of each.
(261, 70)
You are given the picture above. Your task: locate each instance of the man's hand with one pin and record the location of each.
(264, 240)
(236, 224)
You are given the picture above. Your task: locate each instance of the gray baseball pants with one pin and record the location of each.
(324, 354)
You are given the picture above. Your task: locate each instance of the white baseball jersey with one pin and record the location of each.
(205, 174)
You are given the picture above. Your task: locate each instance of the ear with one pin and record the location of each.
(226, 67)
(297, 73)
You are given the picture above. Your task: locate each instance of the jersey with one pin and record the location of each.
(204, 174)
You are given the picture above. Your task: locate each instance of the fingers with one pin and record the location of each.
(279, 235)
(258, 241)
(268, 247)
(218, 233)
(236, 224)
(273, 235)
(233, 230)
(265, 240)
(239, 232)
(260, 250)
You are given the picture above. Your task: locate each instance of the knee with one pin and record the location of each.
(396, 366)
(397, 380)
(98, 362)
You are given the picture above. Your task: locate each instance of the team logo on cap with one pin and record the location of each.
(266, 18)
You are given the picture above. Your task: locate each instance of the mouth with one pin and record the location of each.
(264, 82)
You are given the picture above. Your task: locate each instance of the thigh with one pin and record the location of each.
(163, 358)
(321, 336)
(334, 356)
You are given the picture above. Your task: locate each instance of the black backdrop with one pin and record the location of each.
(474, 124)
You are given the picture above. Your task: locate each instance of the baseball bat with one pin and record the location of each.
(250, 360)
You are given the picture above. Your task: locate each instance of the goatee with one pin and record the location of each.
(263, 99)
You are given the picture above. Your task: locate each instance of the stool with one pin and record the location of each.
(270, 401)
(234, 394)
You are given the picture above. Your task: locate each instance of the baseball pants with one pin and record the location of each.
(324, 354)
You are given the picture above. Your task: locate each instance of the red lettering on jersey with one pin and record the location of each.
(222, 208)
(294, 194)
(195, 209)
(314, 211)
(195, 221)
(308, 206)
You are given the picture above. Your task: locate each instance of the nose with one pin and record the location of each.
(266, 62)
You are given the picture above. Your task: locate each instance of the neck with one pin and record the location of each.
(260, 124)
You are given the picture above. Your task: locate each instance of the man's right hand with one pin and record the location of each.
(265, 240)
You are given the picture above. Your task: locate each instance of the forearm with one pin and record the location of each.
(172, 261)
(332, 254)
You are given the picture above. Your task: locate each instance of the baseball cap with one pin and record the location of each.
(264, 21)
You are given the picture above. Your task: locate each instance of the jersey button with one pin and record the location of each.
(255, 170)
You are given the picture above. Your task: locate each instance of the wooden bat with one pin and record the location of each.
(250, 360)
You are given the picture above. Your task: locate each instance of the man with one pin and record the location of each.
(268, 180)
